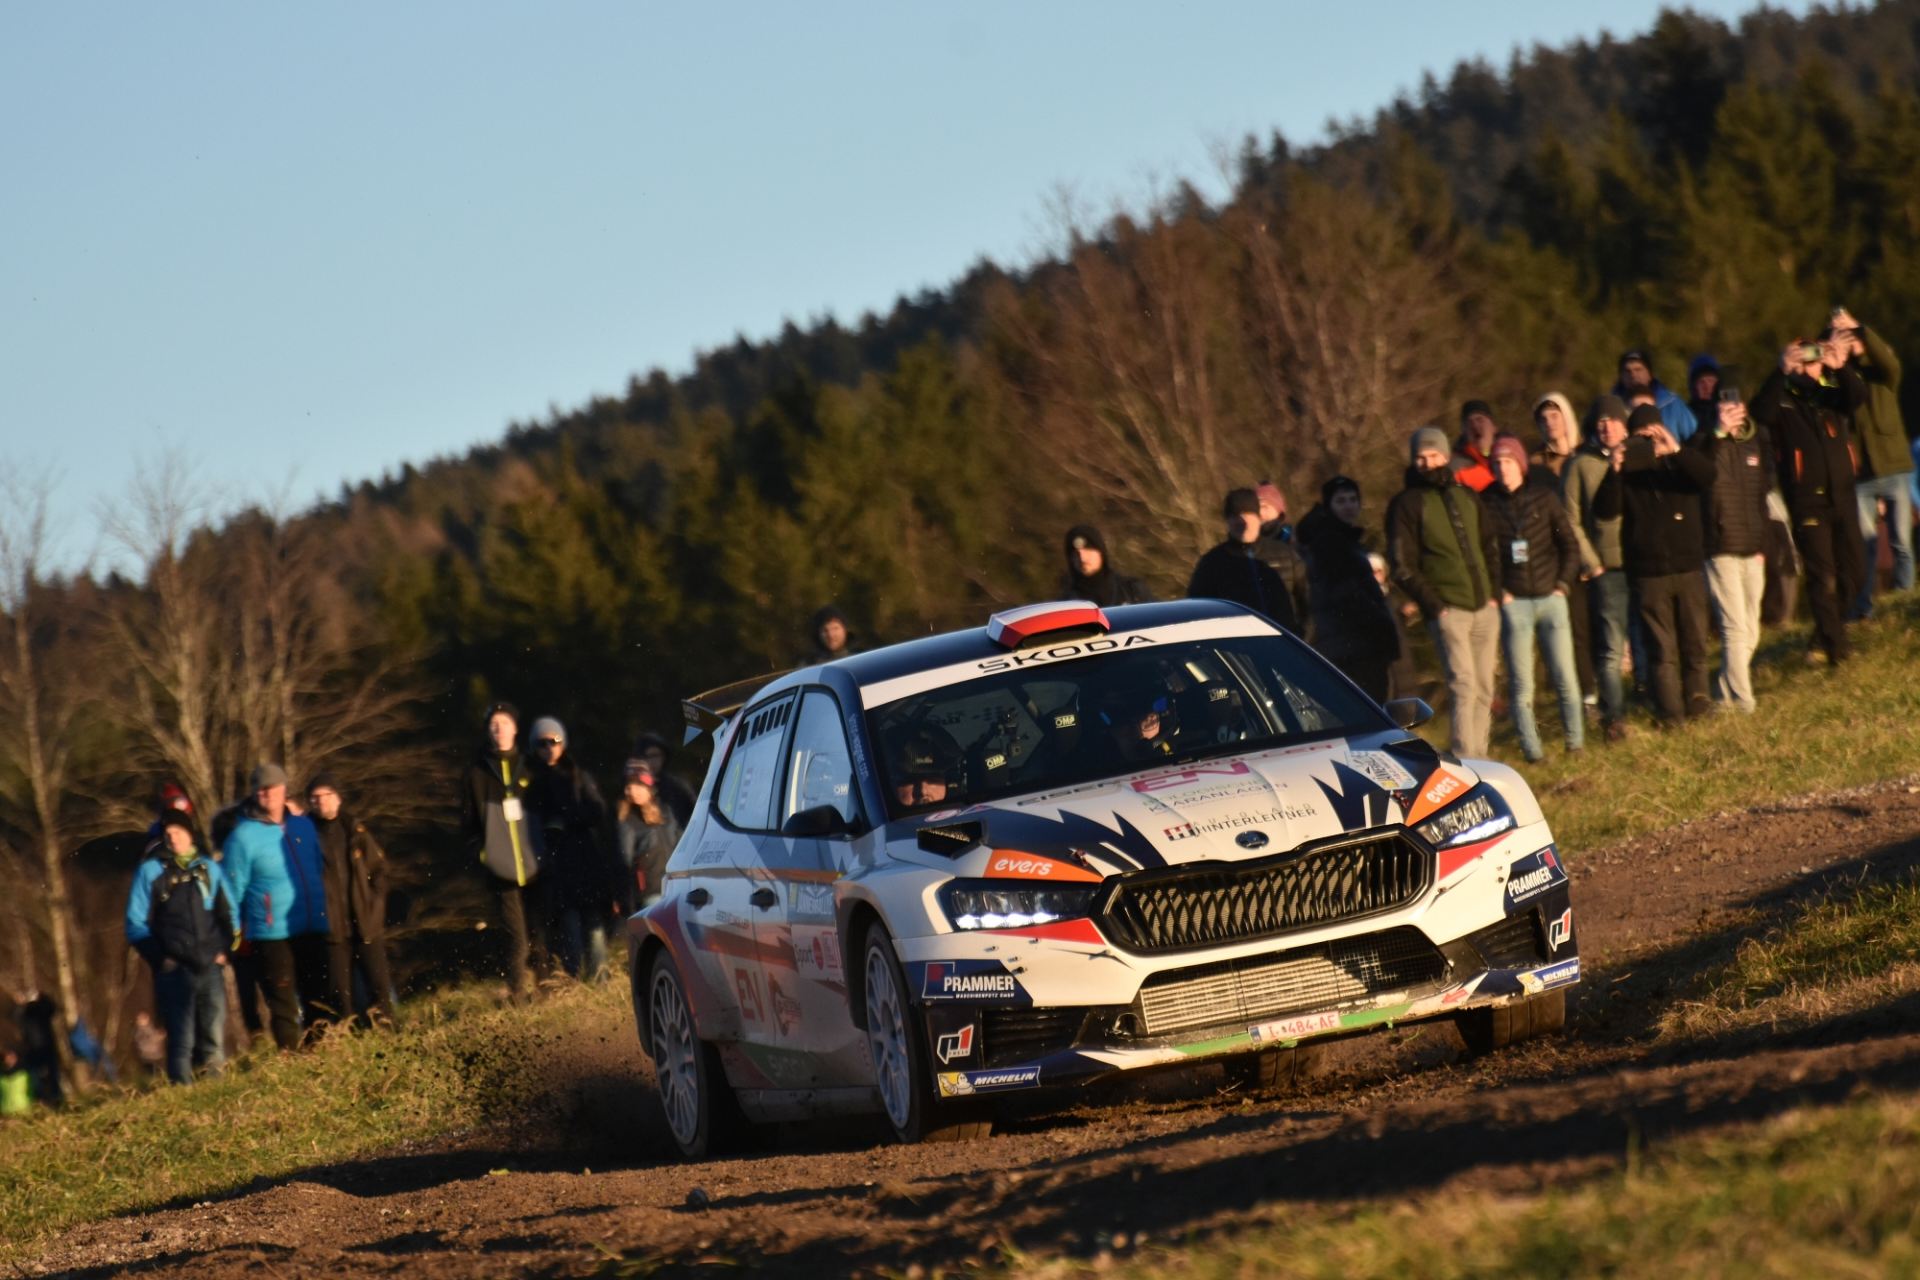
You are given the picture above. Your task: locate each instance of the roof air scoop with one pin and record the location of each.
(1017, 628)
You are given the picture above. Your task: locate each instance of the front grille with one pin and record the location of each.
(1244, 903)
(1022, 1035)
(1514, 943)
(1241, 992)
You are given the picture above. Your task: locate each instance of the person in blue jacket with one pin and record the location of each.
(1636, 374)
(180, 919)
(273, 863)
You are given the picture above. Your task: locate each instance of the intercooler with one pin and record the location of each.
(1238, 993)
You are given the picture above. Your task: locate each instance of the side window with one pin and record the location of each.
(745, 795)
(821, 771)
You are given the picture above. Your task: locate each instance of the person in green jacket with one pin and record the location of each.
(16, 1086)
(1442, 551)
(1885, 467)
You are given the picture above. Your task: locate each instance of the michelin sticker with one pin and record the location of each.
(964, 1084)
(1558, 975)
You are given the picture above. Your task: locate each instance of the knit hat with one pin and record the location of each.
(1635, 354)
(1270, 496)
(1509, 446)
(506, 709)
(548, 727)
(1647, 415)
(266, 775)
(322, 781)
(1241, 502)
(1427, 438)
(1472, 407)
(173, 796)
(1339, 484)
(1606, 407)
(175, 818)
(637, 771)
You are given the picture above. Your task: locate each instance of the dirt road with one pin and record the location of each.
(1395, 1114)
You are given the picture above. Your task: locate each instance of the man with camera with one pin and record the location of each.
(1886, 460)
(1736, 531)
(1806, 406)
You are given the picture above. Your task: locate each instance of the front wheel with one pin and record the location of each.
(695, 1098)
(1488, 1030)
(897, 1048)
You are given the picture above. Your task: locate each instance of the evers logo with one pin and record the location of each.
(1027, 866)
(1442, 787)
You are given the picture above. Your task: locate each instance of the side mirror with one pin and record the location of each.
(1408, 713)
(821, 820)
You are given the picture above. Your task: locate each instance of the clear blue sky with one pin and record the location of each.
(309, 243)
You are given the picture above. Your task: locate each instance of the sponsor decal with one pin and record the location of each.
(1011, 865)
(711, 855)
(810, 901)
(964, 1084)
(1294, 1028)
(957, 1045)
(786, 1010)
(1382, 770)
(1280, 813)
(1188, 777)
(995, 761)
(1061, 653)
(1557, 975)
(816, 953)
(1442, 787)
(1065, 720)
(1532, 876)
(981, 981)
(1251, 839)
(1559, 931)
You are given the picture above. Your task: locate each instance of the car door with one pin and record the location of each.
(727, 867)
(796, 923)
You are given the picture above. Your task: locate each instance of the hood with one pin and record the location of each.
(1232, 809)
(1566, 409)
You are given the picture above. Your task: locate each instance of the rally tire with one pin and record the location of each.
(1271, 1070)
(696, 1102)
(1490, 1030)
(897, 1048)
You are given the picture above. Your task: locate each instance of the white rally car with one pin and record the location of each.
(1068, 844)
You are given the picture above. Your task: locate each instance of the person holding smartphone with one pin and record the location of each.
(1886, 462)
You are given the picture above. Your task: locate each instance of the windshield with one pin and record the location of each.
(1067, 723)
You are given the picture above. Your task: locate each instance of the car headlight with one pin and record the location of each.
(1480, 816)
(993, 904)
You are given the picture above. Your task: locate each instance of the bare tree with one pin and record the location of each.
(41, 702)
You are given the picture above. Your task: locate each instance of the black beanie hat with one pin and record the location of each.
(326, 779)
(1337, 485)
(1646, 415)
(506, 709)
(1472, 407)
(175, 818)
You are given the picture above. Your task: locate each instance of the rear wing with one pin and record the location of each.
(706, 712)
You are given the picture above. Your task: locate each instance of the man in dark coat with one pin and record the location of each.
(1233, 570)
(1352, 625)
(499, 833)
(1806, 405)
(1441, 550)
(1656, 487)
(1886, 461)
(353, 868)
(570, 812)
(1737, 523)
(1090, 573)
(1539, 565)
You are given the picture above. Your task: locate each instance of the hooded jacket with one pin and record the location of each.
(178, 911)
(1813, 446)
(1659, 500)
(275, 875)
(354, 872)
(1878, 425)
(1440, 543)
(1350, 614)
(1544, 455)
(1674, 413)
(1106, 588)
(1538, 552)
(494, 816)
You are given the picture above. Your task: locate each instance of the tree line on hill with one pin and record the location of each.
(1496, 236)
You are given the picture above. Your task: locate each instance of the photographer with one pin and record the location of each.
(1887, 464)
(1805, 405)
(1736, 538)
(1655, 486)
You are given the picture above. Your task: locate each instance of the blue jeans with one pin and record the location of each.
(193, 1009)
(1898, 493)
(1609, 604)
(1521, 619)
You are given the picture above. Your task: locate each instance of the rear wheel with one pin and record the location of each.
(1488, 1030)
(1272, 1069)
(695, 1098)
(896, 1044)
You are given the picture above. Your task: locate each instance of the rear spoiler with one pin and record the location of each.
(706, 712)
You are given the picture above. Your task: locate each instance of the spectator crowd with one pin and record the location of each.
(1608, 549)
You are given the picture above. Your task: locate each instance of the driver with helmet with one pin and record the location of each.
(926, 767)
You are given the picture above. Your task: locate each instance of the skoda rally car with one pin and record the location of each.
(1072, 843)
